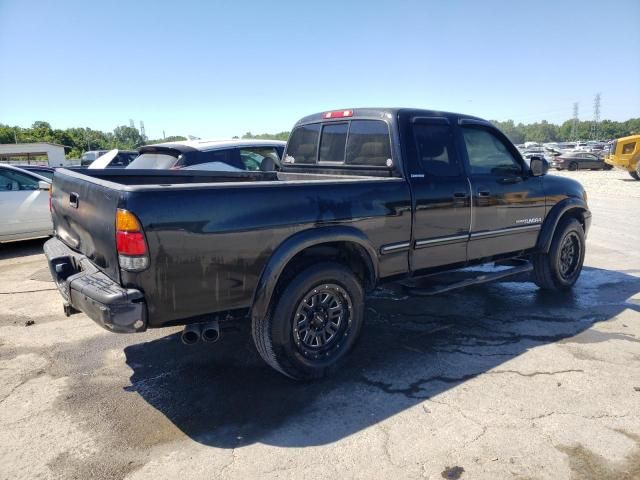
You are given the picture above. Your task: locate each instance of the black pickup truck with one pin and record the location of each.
(363, 197)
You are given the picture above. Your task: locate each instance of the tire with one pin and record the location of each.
(559, 269)
(636, 173)
(289, 337)
(573, 166)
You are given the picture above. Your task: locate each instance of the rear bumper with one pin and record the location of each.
(87, 289)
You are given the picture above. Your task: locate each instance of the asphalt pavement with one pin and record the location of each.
(494, 381)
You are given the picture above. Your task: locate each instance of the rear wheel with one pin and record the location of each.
(573, 166)
(312, 323)
(636, 173)
(560, 268)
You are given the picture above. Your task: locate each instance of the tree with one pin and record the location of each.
(268, 136)
(127, 137)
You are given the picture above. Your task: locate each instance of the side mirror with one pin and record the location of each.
(538, 166)
(42, 185)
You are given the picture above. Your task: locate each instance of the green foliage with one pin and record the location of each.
(548, 132)
(173, 138)
(268, 136)
(79, 140)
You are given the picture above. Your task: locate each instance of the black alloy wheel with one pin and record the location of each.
(321, 320)
(570, 253)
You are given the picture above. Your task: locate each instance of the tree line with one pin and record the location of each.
(79, 140)
(544, 131)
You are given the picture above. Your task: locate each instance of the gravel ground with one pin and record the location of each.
(495, 381)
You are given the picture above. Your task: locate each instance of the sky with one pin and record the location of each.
(215, 69)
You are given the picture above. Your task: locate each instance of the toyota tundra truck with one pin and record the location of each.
(363, 197)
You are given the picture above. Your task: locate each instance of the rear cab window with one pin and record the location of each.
(361, 143)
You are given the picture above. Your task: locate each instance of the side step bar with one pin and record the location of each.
(489, 277)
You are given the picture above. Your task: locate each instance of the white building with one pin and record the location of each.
(33, 153)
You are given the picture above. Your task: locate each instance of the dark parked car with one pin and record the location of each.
(363, 197)
(579, 161)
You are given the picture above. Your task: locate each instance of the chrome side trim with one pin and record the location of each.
(436, 241)
(506, 231)
(394, 247)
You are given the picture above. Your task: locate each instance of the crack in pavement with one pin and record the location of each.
(417, 386)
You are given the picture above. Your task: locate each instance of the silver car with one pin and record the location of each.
(24, 205)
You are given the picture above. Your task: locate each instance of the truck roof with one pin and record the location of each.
(384, 112)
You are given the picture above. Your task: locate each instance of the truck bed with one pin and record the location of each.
(214, 232)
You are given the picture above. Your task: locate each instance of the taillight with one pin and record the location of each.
(130, 242)
(339, 114)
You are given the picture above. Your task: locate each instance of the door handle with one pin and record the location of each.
(508, 180)
(74, 198)
(484, 193)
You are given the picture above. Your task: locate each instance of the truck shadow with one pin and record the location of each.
(411, 349)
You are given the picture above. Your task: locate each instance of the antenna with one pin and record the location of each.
(142, 129)
(574, 124)
(596, 117)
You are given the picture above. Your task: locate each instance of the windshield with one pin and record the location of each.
(160, 161)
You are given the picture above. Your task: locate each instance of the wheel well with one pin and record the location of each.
(349, 254)
(574, 213)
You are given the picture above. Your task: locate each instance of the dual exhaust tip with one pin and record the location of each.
(207, 332)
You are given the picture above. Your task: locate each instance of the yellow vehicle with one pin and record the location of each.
(625, 154)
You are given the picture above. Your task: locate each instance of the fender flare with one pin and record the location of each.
(576, 206)
(294, 245)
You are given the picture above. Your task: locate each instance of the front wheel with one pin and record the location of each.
(313, 322)
(573, 166)
(636, 173)
(560, 268)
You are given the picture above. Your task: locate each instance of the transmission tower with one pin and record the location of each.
(574, 124)
(596, 117)
(142, 129)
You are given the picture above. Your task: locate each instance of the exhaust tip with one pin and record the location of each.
(210, 335)
(190, 335)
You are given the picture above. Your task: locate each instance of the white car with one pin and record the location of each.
(24, 205)
(216, 155)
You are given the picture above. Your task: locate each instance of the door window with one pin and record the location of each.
(11, 181)
(488, 154)
(259, 158)
(435, 152)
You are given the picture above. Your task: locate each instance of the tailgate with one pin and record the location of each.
(84, 213)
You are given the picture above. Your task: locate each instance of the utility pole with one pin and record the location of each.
(142, 132)
(596, 117)
(574, 125)
(163, 135)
